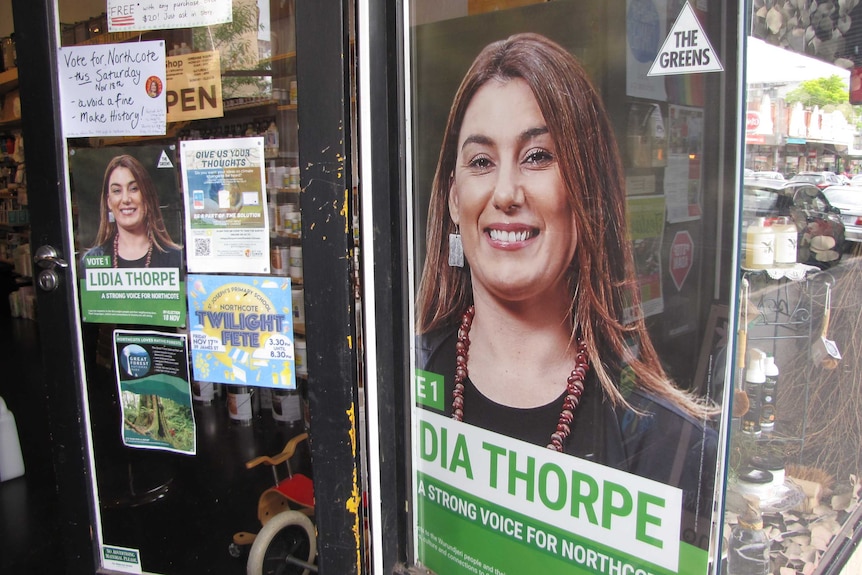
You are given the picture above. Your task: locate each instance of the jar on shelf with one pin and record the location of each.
(748, 549)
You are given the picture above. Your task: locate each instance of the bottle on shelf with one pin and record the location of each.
(748, 549)
(295, 261)
(754, 379)
(240, 405)
(278, 265)
(759, 245)
(271, 140)
(287, 406)
(785, 241)
(768, 395)
(203, 392)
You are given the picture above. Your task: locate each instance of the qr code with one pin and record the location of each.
(202, 246)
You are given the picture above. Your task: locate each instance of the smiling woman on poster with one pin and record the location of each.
(529, 270)
(131, 228)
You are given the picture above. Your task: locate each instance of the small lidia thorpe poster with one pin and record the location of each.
(129, 225)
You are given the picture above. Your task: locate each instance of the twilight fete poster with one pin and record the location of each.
(227, 223)
(241, 330)
(129, 192)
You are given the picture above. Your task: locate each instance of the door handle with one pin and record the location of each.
(49, 260)
(47, 257)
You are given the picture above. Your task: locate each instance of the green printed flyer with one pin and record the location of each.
(155, 394)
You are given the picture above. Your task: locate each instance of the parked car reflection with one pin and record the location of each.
(848, 199)
(818, 222)
(819, 179)
(768, 175)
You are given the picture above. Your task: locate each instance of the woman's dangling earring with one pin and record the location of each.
(456, 250)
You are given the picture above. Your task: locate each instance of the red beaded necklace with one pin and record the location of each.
(117, 252)
(574, 383)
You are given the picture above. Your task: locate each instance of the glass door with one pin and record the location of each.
(188, 237)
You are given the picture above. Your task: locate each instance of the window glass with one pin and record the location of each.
(565, 199)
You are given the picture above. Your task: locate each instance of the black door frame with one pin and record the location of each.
(36, 44)
(322, 30)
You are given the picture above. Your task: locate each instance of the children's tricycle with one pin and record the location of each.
(286, 544)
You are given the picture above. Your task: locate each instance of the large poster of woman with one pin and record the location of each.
(548, 437)
(129, 235)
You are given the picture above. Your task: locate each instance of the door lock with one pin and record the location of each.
(48, 280)
(49, 260)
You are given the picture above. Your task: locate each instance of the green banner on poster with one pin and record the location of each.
(144, 296)
(492, 505)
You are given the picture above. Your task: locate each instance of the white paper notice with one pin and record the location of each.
(133, 15)
(113, 89)
(227, 220)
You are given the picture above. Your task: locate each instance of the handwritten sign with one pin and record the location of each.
(194, 86)
(132, 15)
(113, 89)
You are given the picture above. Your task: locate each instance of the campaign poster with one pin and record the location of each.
(241, 330)
(152, 371)
(227, 222)
(536, 445)
(113, 89)
(128, 229)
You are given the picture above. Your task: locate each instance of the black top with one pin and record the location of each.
(170, 258)
(665, 444)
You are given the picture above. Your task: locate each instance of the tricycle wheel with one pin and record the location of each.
(285, 546)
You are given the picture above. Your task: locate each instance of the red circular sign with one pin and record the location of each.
(752, 121)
